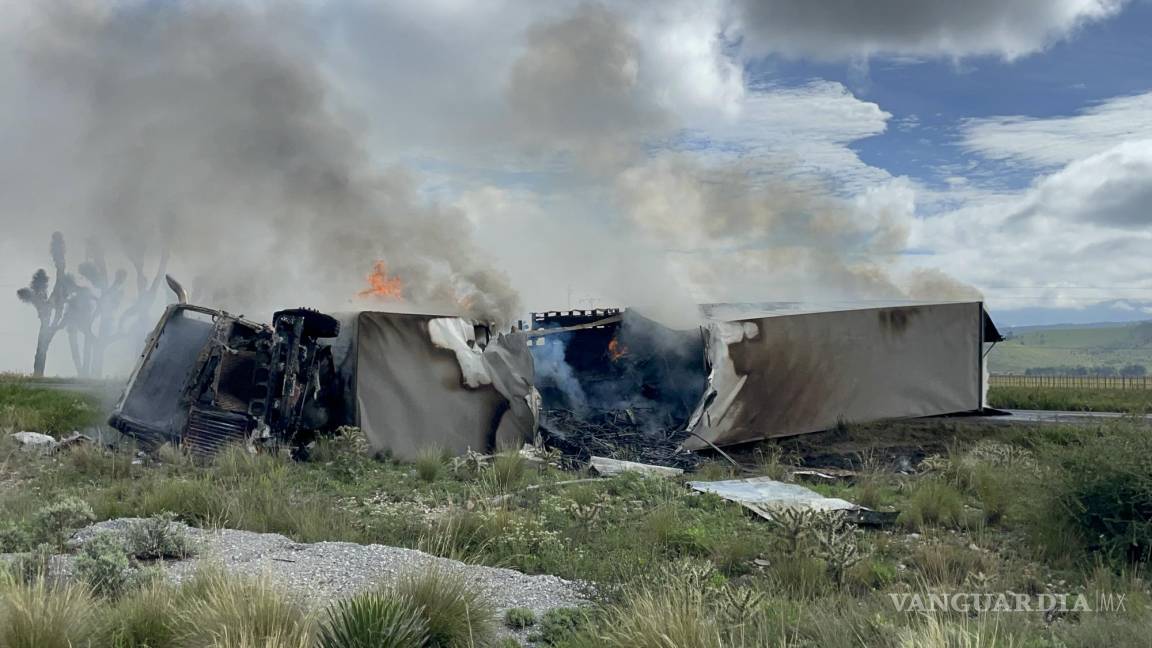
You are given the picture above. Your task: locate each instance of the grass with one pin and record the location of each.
(995, 510)
(374, 620)
(455, 613)
(234, 611)
(1110, 346)
(24, 407)
(42, 614)
(1077, 400)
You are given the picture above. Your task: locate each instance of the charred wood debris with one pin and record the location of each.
(618, 434)
(609, 389)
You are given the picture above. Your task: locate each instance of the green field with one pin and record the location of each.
(1088, 346)
(987, 509)
(1132, 401)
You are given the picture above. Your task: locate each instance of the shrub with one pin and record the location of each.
(664, 529)
(55, 523)
(456, 613)
(1105, 490)
(507, 470)
(143, 618)
(103, 565)
(994, 489)
(944, 564)
(658, 618)
(39, 614)
(559, 624)
(34, 565)
(158, 538)
(519, 618)
(14, 538)
(837, 543)
(374, 620)
(229, 610)
(933, 502)
(799, 576)
(429, 463)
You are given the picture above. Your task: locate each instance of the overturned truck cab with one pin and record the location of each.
(409, 381)
(207, 378)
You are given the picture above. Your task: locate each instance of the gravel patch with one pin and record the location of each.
(320, 572)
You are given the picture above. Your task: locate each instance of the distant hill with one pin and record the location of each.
(1053, 346)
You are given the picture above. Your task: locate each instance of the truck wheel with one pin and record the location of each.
(316, 324)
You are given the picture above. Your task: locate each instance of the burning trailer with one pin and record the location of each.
(619, 384)
(207, 378)
(609, 383)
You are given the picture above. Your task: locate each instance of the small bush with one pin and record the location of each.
(374, 620)
(55, 523)
(1105, 490)
(14, 538)
(429, 463)
(226, 610)
(664, 529)
(658, 618)
(713, 470)
(143, 618)
(508, 470)
(519, 618)
(559, 625)
(800, 576)
(943, 564)
(994, 489)
(933, 502)
(40, 614)
(103, 565)
(158, 538)
(34, 565)
(456, 613)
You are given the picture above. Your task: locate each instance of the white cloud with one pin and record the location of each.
(1054, 141)
(1112, 189)
(1078, 236)
(802, 131)
(854, 29)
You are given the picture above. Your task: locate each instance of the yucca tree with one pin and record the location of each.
(51, 304)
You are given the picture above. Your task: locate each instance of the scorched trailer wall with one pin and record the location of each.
(418, 381)
(788, 373)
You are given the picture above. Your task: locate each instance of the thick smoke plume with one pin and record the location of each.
(206, 129)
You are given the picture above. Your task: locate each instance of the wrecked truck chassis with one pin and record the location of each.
(207, 378)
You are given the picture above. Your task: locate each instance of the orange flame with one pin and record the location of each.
(381, 286)
(616, 350)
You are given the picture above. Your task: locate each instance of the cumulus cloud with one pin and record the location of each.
(1078, 236)
(854, 29)
(1110, 189)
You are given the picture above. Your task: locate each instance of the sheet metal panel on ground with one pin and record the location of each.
(785, 374)
(417, 381)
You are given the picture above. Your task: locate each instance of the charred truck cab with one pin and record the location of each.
(207, 378)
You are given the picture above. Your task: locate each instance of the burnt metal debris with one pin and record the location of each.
(615, 384)
(207, 378)
(617, 434)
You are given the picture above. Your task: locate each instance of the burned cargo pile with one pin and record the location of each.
(616, 384)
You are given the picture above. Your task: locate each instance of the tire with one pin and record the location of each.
(316, 324)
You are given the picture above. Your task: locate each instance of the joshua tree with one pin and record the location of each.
(51, 305)
(90, 312)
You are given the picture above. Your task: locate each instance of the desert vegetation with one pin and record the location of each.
(1028, 510)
